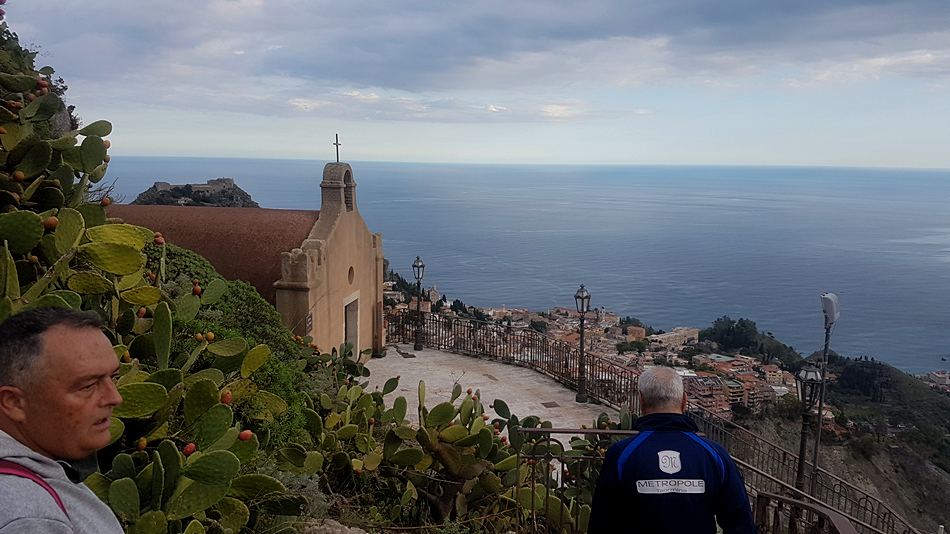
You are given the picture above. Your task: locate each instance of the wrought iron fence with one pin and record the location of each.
(778, 514)
(765, 466)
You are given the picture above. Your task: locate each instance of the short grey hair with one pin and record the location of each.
(21, 340)
(661, 387)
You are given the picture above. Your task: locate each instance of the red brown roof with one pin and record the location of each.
(241, 243)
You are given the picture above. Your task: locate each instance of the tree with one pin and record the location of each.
(539, 326)
(631, 346)
(732, 335)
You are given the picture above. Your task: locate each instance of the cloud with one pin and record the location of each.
(477, 61)
(915, 64)
(356, 105)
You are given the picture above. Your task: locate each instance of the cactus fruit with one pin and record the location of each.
(189, 449)
(209, 336)
(226, 399)
(199, 337)
(159, 240)
(245, 435)
(196, 290)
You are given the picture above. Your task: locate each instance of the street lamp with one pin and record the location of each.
(582, 300)
(418, 269)
(809, 388)
(829, 306)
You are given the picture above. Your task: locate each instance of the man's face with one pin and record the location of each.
(69, 402)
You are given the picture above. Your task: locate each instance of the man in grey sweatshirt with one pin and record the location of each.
(56, 399)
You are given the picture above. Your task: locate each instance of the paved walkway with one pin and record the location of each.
(526, 392)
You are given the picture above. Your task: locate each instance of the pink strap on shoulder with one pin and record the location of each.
(12, 468)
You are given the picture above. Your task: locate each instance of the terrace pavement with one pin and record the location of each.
(527, 392)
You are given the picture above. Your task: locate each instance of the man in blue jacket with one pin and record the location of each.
(666, 479)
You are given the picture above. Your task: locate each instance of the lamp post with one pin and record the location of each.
(582, 300)
(418, 269)
(809, 386)
(829, 306)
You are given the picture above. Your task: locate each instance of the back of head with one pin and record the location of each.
(661, 390)
(21, 339)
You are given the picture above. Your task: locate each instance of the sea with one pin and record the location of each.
(669, 245)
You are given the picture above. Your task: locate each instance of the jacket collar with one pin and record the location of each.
(665, 421)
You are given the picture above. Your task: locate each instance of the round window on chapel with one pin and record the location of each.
(350, 275)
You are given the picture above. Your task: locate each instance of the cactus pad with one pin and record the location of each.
(124, 499)
(112, 257)
(441, 415)
(92, 152)
(193, 497)
(202, 395)
(400, 405)
(93, 214)
(22, 230)
(252, 487)
(347, 432)
(142, 296)
(47, 301)
(188, 306)
(254, 360)
(140, 399)
(124, 234)
(48, 198)
(213, 291)
(171, 463)
(142, 347)
(270, 402)
(69, 230)
(153, 522)
(228, 347)
(116, 429)
(234, 514)
(162, 333)
(99, 484)
(407, 457)
(214, 468)
(89, 283)
(212, 425)
(214, 375)
(36, 159)
(453, 433)
(71, 298)
(245, 450)
(225, 441)
(100, 128)
(158, 481)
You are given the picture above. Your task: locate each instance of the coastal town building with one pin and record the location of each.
(322, 269)
(215, 185)
(708, 391)
(941, 378)
(681, 335)
(636, 333)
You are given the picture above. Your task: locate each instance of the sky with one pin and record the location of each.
(730, 82)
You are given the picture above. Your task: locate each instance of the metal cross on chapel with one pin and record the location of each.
(337, 144)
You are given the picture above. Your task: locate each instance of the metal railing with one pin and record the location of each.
(778, 514)
(765, 466)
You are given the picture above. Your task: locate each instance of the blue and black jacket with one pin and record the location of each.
(667, 479)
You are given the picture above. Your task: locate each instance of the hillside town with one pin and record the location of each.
(720, 383)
